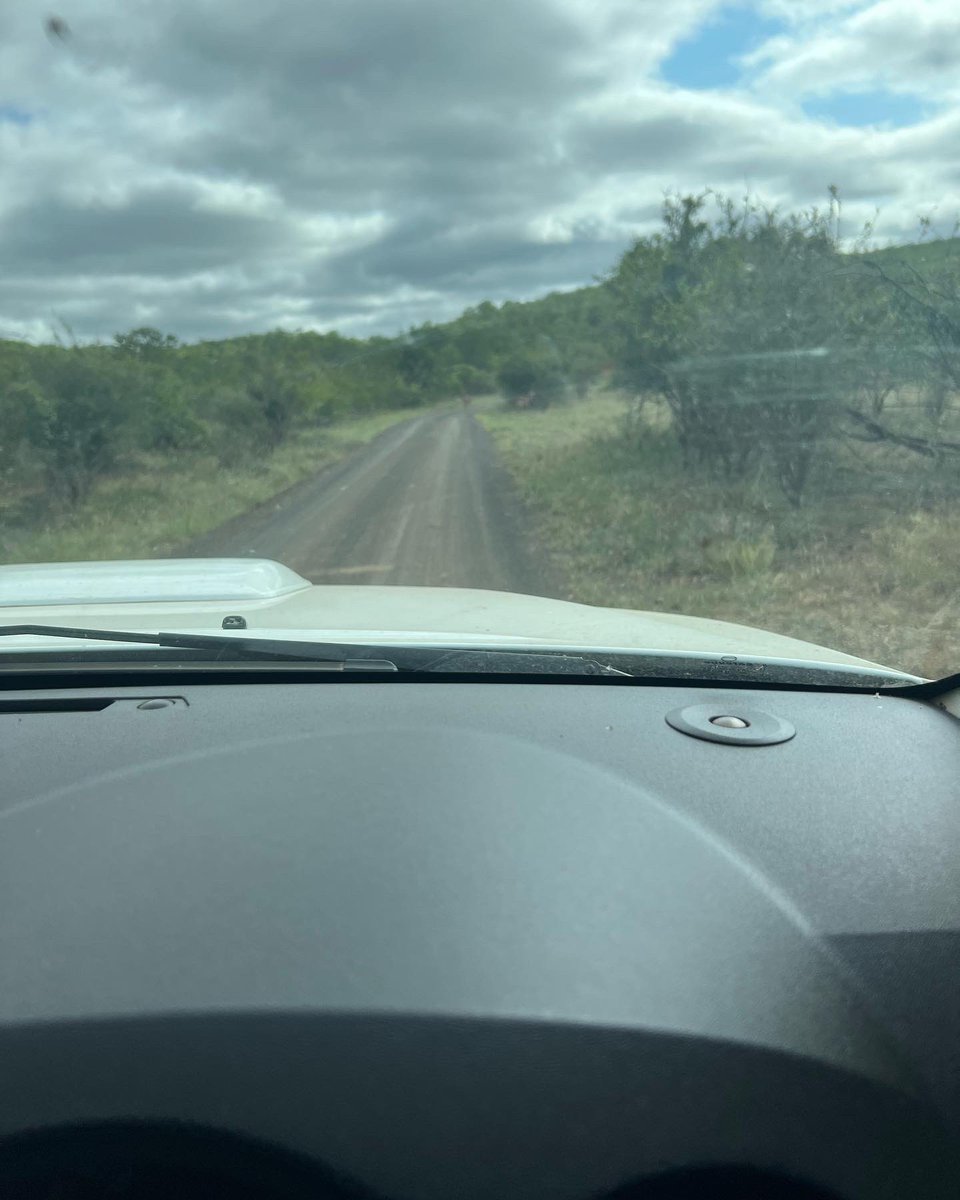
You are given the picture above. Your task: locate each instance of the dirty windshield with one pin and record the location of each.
(652, 308)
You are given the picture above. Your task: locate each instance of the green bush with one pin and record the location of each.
(73, 413)
(531, 382)
(736, 320)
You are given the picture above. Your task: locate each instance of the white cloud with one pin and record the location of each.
(904, 46)
(214, 168)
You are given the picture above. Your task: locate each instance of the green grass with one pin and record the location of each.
(157, 505)
(869, 565)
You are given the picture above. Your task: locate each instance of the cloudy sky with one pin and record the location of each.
(216, 168)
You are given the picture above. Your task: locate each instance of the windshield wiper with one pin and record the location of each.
(332, 653)
(340, 655)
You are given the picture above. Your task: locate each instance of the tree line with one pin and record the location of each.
(766, 338)
(71, 413)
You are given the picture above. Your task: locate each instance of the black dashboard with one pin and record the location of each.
(483, 941)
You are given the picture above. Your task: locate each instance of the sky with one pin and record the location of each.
(367, 165)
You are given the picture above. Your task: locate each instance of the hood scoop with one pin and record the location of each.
(159, 581)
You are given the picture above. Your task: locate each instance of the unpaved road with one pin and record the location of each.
(427, 502)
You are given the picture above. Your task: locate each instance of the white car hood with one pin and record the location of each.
(195, 595)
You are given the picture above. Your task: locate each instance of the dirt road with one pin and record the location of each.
(425, 503)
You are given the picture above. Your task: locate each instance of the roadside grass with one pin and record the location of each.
(159, 503)
(869, 565)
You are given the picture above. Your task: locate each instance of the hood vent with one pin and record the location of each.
(158, 581)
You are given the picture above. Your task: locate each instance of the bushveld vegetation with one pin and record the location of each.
(748, 417)
(777, 441)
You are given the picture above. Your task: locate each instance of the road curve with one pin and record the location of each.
(426, 503)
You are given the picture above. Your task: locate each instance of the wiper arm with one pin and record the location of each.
(344, 657)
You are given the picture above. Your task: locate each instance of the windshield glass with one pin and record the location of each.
(651, 308)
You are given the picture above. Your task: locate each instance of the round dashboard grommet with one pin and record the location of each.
(720, 722)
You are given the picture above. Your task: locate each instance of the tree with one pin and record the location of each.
(735, 321)
(145, 343)
(75, 415)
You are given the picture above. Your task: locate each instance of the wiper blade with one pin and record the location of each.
(512, 661)
(333, 653)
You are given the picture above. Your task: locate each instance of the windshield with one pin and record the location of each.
(640, 321)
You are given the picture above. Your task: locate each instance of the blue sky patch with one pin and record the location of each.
(708, 58)
(876, 107)
(15, 115)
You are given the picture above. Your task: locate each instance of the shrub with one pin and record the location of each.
(531, 382)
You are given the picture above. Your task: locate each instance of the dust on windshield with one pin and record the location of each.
(648, 307)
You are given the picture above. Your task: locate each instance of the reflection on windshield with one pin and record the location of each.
(433, 299)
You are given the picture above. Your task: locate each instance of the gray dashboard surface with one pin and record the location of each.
(513, 940)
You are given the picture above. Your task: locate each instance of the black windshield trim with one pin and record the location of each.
(452, 659)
